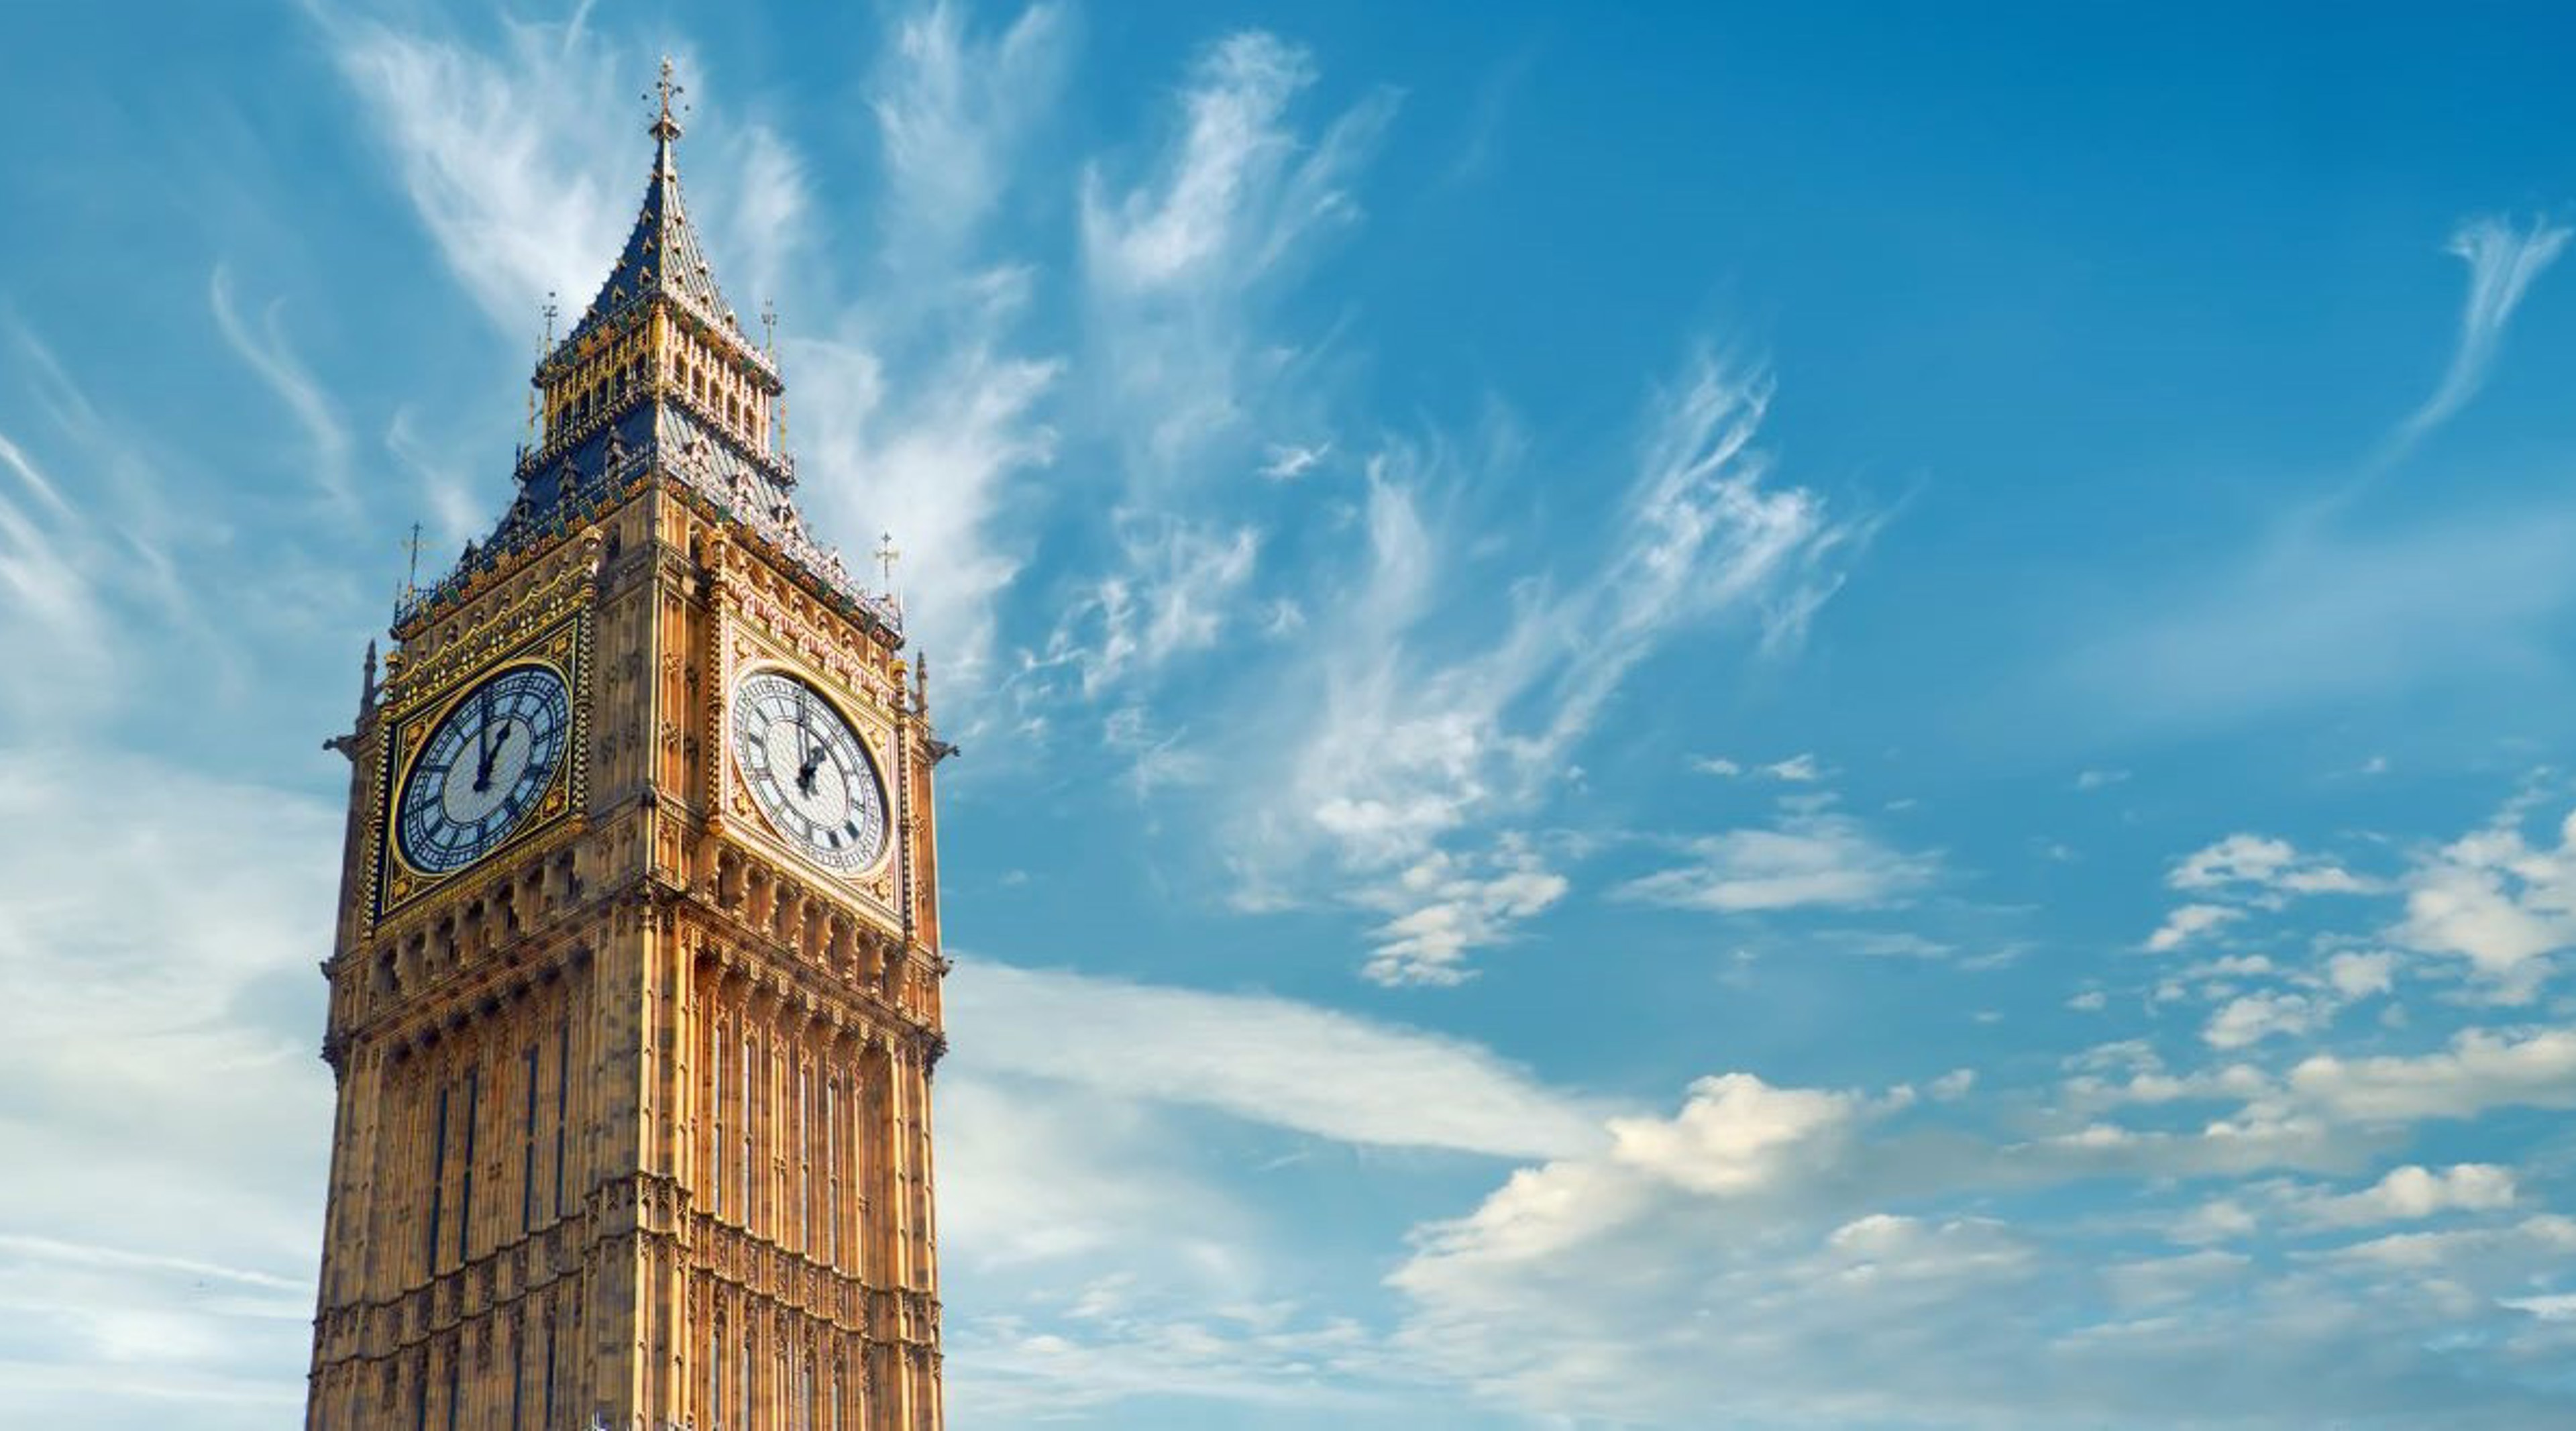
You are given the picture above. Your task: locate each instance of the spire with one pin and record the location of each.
(657, 383)
(662, 256)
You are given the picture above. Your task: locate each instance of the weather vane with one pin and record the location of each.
(769, 327)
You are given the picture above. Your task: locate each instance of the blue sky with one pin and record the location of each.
(1769, 716)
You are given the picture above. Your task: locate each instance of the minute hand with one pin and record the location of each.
(483, 744)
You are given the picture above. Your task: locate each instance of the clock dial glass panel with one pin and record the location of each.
(808, 771)
(483, 769)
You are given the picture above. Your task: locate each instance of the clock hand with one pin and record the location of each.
(812, 753)
(483, 743)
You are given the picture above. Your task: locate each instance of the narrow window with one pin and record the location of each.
(804, 1182)
(715, 1374)
(465, 1195)
(563, 1102)
(519, 1374)
(832, 1170)
(717, 1147)
(750, 1112)
(452, 1358)
(549, 1411)
(528, 1144)
(437, 1193)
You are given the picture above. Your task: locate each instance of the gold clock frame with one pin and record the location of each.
(562, 646)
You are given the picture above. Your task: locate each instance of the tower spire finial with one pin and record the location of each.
(667, 128)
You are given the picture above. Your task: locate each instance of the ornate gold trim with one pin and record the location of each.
(562, 646)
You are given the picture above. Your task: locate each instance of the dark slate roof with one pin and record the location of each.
(662, 255)
(737, 486)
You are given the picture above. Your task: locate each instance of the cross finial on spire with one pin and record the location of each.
(886, 555)
(667, 128)
(411, 574)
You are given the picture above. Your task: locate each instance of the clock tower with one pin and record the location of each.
(635, 993)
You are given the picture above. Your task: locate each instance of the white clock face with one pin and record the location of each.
(483, 769)
(808, 771)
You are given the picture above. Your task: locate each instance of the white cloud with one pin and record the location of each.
(2358, 976)
(2262, 869)
(930, 458)
(2255, 1017)
(2503, 260)
(2496, 900)
(2411, 1193)
(1953, 1085)
(1735, 1134)
(1732, 1263)
(1445, 905)
(952, 110)
(2481, 1069)
(1808, 861)
(1798, 769)
(1270, 1060)
(1171, 596)
(54, 613)
(2187, 923)
(1416, 745)
(2543, 1238)
(523, 164)
(1179, 269)
(2091, 780)
(167, 1174)
(2162, 1282)
(1286, 462)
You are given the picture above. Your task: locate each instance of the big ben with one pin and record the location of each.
(635, 993)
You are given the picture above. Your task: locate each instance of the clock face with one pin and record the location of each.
(483, 769)
(808, 771)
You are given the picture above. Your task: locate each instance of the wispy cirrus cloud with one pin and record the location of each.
(1808, 861)
(1181, 270)
(1408, 745)
(1266, 1059)
(2503, 258)
(522, 160)
(2317, 616)
(2322, 609)
(169, 1118)
(953, 109)
(268, 354)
